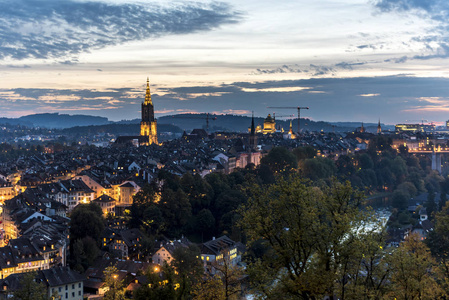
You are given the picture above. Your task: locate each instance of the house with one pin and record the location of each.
(166, 249)
(423, 228)
(126, 243)
(106, 203)
(92, 183)
(64, 282)
(127, 191)
(127, 271)
(20, 256)
(218, 249)
(61, 281)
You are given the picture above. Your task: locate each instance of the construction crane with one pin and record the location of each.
(292, 107)
(195, 116)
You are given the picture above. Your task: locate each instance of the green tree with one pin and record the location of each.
(280, 160)
(365, 161)
(176, 209)
(30, 289)
(143, 200)
(318, 168)
(431, 205)
(303, 228)
(303, 153)
(412, 271)
(399, 200)
(211, 288)
(438, 242)
(153, 220)
(198, 191)
(114, 284)
(345, 165)
(225, 284)
(86, 227)
(189, 269)
(161, 284)
(86, 220)
(205, 222)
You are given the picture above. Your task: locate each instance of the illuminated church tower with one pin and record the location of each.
(148, 126)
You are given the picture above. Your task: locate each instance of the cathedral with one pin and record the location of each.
(148, 125)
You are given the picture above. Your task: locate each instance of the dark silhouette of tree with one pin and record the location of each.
(280, 160)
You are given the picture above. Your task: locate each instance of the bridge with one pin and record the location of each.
(435, 151)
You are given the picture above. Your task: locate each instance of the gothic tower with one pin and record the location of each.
(148, 126)
(252, 135)
(379, 128)
(362, 129)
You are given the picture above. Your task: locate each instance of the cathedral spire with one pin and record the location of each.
(253, 130)
(148, 94)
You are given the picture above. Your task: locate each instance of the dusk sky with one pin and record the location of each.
(348, 60)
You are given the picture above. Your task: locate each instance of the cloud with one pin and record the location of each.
(233, 112)
(285, 89)
(312, 69)
(339, 99)
(53, 29)
(437, 43)
(369, 95)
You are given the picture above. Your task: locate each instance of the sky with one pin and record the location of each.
(347, 60)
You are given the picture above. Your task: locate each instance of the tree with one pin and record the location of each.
(225, 284)
(86, 227)
(438, 242)
(365, 161)
(345, 165)
(303, 228)
(115, 285)
(189, 268)
(30, 289)
(412, 271)
(176, 210)
(318, 168)
(161, 284)
(143, 200)
(399, 200)
(205, 222)
(86, 220)
(302, 153)
(431, 205)
(280, 160)
(212, 288)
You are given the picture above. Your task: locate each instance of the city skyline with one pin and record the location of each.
(347, 60)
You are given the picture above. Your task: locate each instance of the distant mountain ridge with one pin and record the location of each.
(56, 120)
(188, 122)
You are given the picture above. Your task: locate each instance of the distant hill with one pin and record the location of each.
(369, 126)
(56, 120)
(187, 122)
(242, 123)
(117, 129)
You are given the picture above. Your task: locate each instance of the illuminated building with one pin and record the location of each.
(414, 127)
(269, 125)
(291, 135)
(148, 126)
